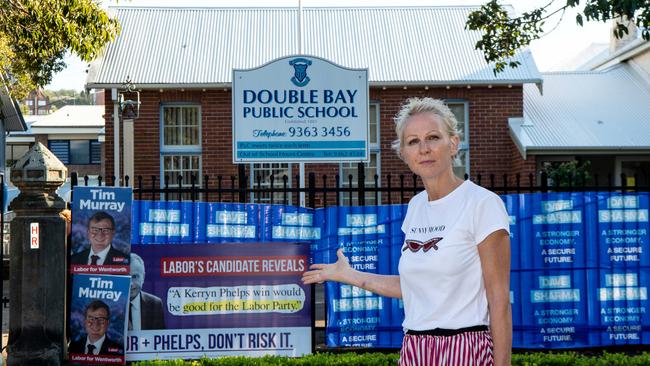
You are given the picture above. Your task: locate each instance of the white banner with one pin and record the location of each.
(197, 343)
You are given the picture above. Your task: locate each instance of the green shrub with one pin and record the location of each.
(390, 359)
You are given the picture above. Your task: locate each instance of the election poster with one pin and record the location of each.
(581, 270)
(371, 238)
(622, 229)
(167, 222)
(223, 299)
(98, 319)
(101, 230)
(621, 284)
(580, 265)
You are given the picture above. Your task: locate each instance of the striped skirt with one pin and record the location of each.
(464, 349)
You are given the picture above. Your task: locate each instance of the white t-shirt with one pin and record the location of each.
(443, 287)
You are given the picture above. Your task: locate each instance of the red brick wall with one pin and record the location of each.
(524, 168)
(491, 148)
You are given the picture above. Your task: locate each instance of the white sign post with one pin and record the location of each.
(300, 109)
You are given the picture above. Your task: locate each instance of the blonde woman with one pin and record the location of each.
(454, 270)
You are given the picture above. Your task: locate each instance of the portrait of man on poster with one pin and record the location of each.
(100, 232)
(145, 309)
(97, 317)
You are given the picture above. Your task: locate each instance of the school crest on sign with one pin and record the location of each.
(300, 77)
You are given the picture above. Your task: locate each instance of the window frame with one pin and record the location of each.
(253, 183)
(464, 145)
(181, 155)
(180, 150)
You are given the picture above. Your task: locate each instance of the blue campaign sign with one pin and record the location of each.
(556, 222)
(622, 230)
(621, 299)
(371, 238)
(101, 230)
(580, 262)
(512, 203)
(584, 270)
(168, 222)
(555, 309)
(288, 223)
(98, 309)
(165, 221)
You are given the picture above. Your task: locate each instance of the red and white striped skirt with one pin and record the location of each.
(464, 349)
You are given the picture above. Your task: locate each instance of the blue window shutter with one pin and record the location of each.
(60, 148)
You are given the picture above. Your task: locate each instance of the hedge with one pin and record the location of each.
(390, 359)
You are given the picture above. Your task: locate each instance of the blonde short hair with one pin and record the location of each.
(414, 106)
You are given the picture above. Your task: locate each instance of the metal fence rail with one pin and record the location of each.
(323, 190)
(320, 191)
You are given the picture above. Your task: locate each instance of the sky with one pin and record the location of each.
(563, 41)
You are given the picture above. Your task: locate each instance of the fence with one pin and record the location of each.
(323, 191)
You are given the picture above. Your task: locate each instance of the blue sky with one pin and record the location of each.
(554, 49)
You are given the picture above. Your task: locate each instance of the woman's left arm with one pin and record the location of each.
(495, 261)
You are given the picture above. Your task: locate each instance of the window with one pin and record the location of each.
(184, 166)
(181, 126)
(460, 111)
(79, 152)
(371, 168)
(373, 126)
(180, 144)
(95, 152)
(261, 178)
(76, 151)
(60, 148)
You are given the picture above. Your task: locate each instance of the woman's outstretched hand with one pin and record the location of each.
(320, 272)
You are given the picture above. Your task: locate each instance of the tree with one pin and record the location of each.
(63, 97)
(568, 174)
(35, 35)
(504, 34)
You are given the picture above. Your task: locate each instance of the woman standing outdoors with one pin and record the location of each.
(454, 270)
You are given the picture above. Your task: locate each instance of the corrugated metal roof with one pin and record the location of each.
(10, 114)
(200, 46)
(599, 110)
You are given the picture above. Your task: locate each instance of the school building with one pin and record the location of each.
(181, 62)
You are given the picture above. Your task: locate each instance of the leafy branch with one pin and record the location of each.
(35, 36)
(504, 35)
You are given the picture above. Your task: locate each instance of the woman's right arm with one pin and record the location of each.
(341, 271)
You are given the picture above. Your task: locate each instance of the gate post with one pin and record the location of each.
(38, 261)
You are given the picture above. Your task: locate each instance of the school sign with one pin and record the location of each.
(300, 109)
